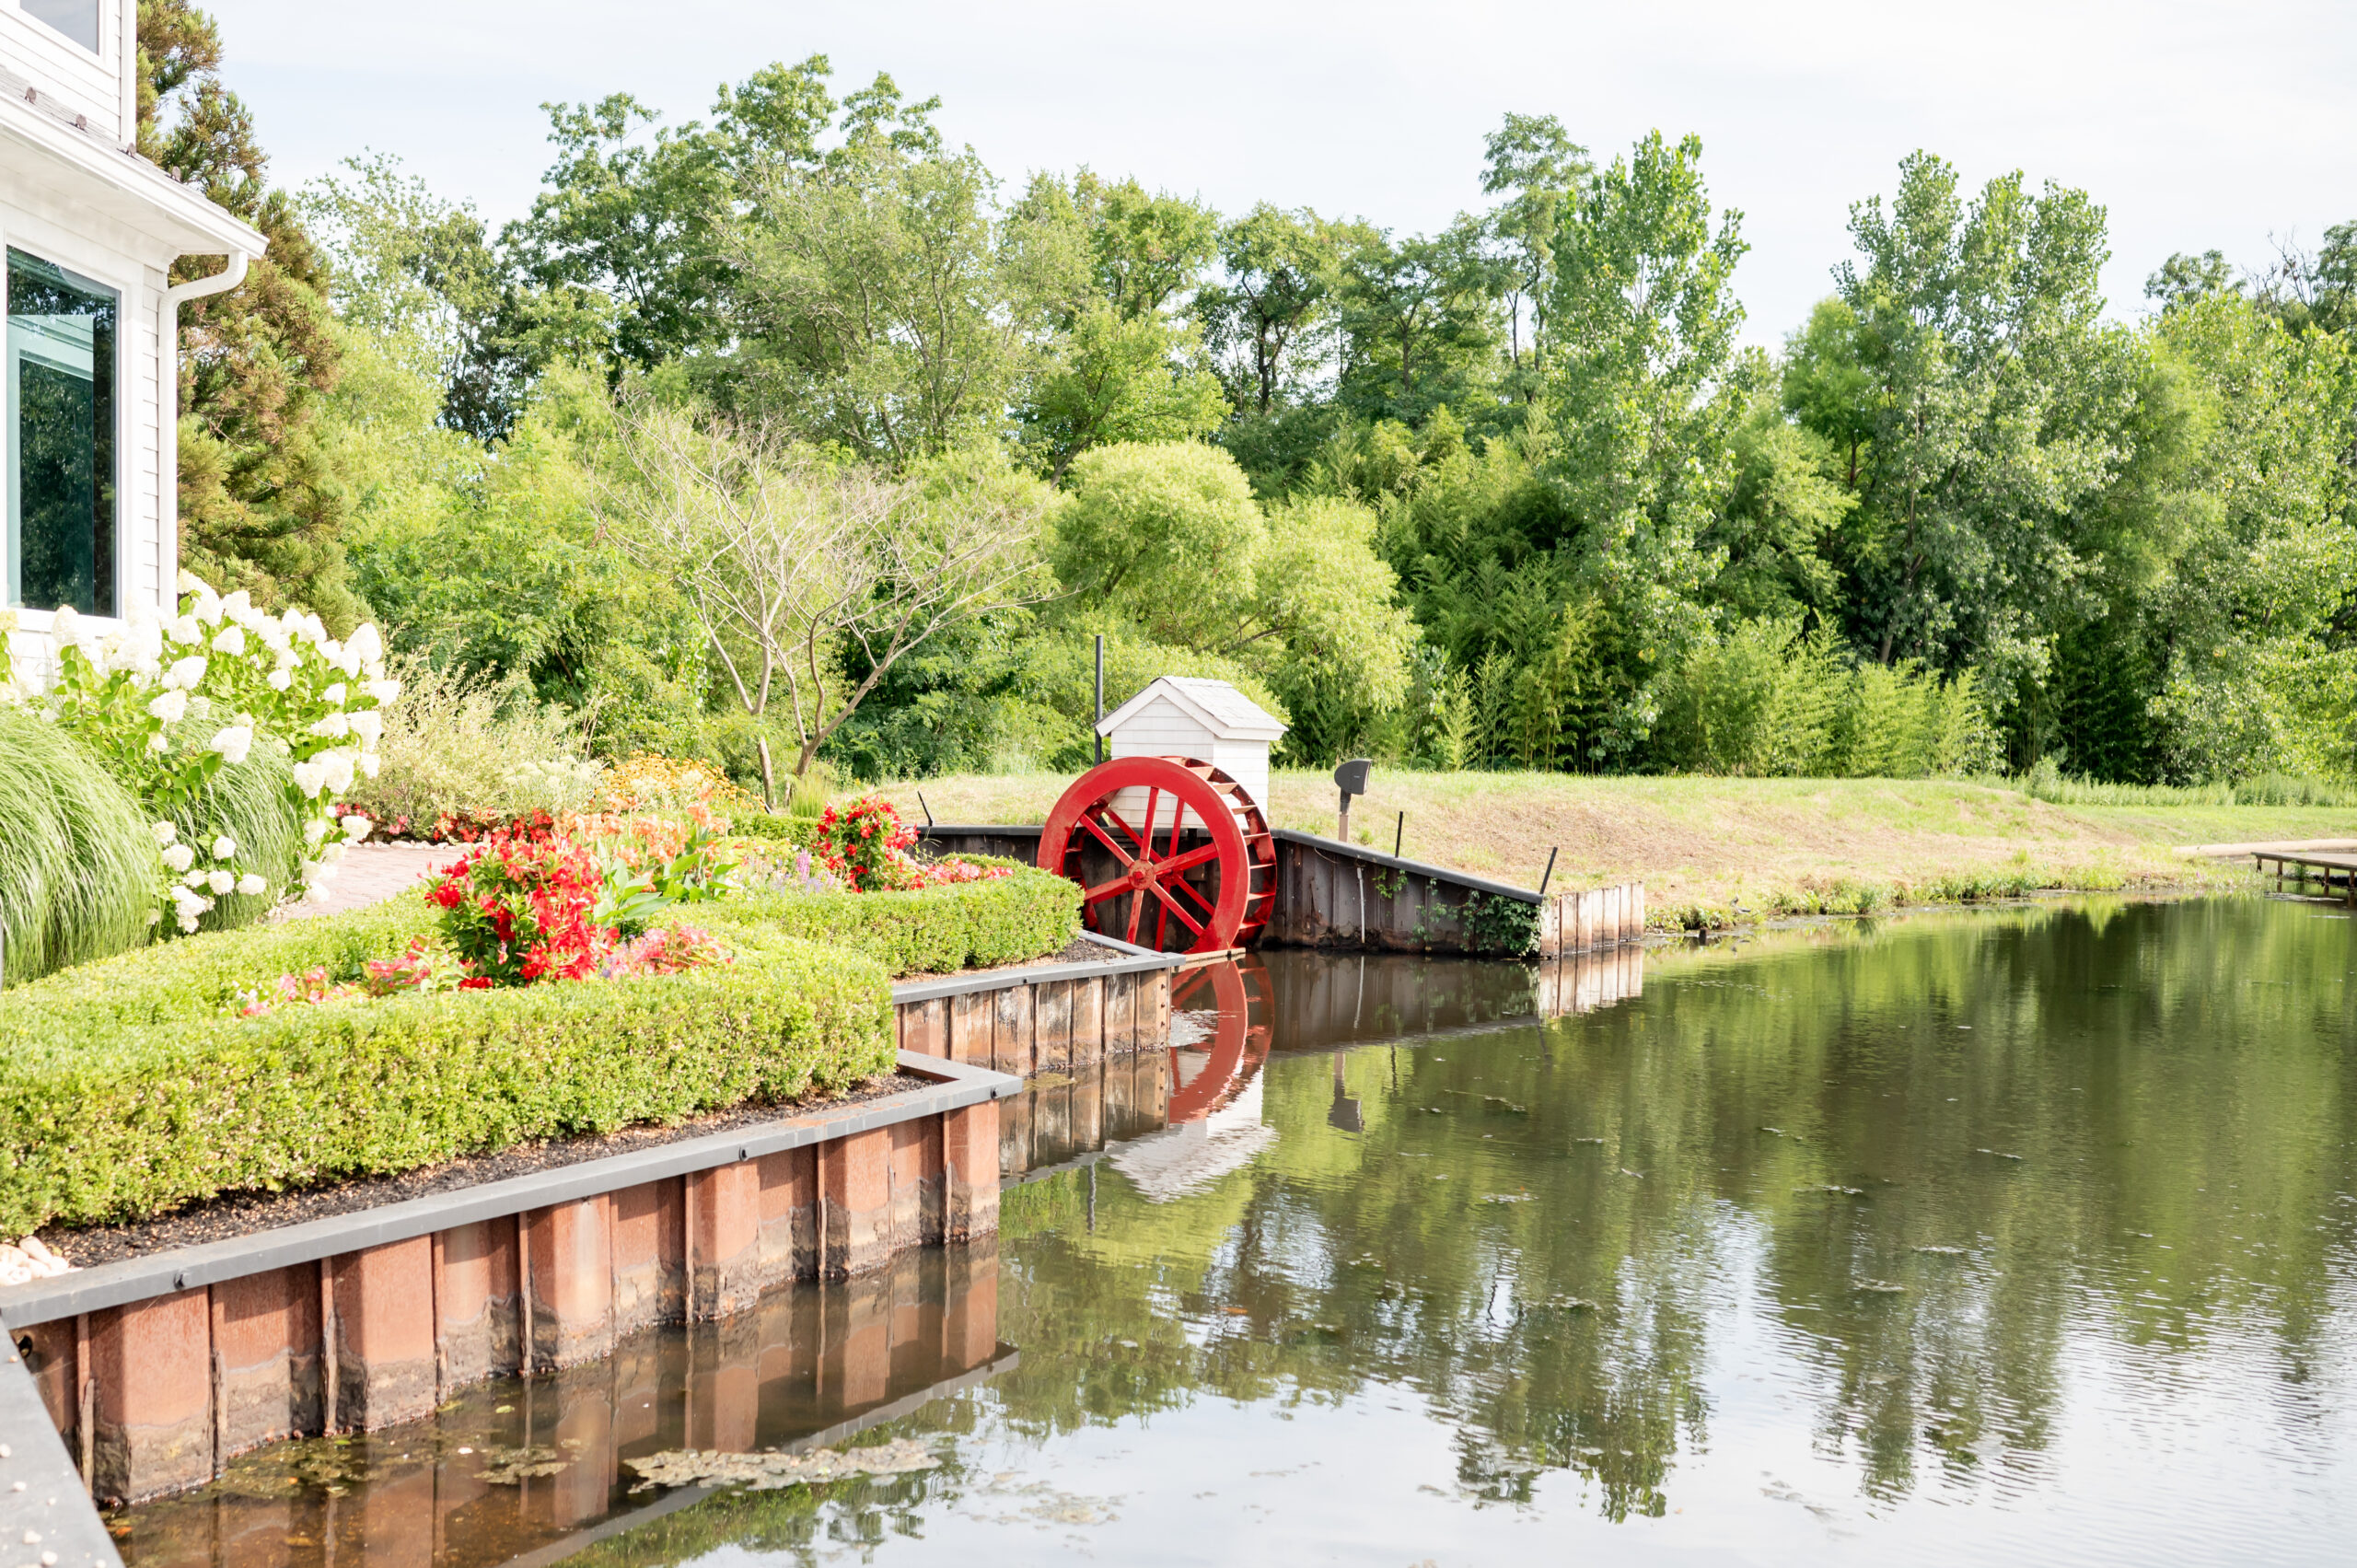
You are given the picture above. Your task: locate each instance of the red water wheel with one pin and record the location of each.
(1185, 864)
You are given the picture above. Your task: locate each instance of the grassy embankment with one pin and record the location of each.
(1716, 850)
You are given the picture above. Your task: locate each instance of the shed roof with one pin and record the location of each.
(1228, 713)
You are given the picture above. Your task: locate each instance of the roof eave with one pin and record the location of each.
(1222, 728)
(132, 191)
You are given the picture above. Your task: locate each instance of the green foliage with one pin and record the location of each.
(2048, 782)
(1161, 534)
(1171, 538)
(467, 747)
(792, 830)
(935, 930)
(77, 861)
(882, 308)
(1496, 924)
(105, 1069)
(2127, 545)
(261, 501)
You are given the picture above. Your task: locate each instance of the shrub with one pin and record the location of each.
(800, 831)
(866, 844)
(476, 751)
(1766, 701)
(667, 785)
(165, 705)
(516, 911)
(128, 1086)
(77, 860)
(936, 930)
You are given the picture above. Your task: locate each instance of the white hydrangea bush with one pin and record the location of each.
(171, 703)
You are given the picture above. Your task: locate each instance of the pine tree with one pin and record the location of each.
(260, 504)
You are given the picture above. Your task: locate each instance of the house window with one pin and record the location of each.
(61, 438)
(78, 19)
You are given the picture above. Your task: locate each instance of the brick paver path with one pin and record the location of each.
(373, 873)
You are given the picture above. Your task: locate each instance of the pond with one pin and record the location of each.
(2020, 1235)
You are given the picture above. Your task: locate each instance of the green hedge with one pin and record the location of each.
(796, 830)
(932, 931)
(125, 1089)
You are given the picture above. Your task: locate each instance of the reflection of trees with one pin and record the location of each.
(2172, 1082)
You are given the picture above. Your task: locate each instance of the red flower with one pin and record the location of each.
(475, 982)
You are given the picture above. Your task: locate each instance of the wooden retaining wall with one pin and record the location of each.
(1047, 1019)
(1344, 896)
(158, 1369)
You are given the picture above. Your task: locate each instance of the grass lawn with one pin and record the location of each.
(1726, 847)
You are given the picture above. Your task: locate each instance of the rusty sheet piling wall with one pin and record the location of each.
(157, 1369)
(1337, 895)
(803, 1369)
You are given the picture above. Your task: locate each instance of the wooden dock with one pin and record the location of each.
(2336, 871)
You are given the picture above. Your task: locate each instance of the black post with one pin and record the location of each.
(1549, 871)
(928, 810)
(1398, 835)
(1101, 693)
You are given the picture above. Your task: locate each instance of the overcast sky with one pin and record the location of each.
(2197, 124)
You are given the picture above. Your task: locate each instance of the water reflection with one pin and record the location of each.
(521, 1466)
(2018, 1235)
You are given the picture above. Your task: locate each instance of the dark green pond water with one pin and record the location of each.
(2024, 1236)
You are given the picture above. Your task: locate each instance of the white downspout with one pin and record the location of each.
(167, 419)
(126, 24)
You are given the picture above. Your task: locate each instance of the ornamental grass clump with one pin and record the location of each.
(77, 859)
(464, 755)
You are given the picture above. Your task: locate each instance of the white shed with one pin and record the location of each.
(1185, 715)
(90, 230)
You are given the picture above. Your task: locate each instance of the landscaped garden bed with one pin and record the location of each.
(555, 982)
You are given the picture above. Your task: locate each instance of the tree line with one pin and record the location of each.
(1513, 494)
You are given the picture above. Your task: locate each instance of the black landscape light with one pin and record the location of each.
(1352, 777)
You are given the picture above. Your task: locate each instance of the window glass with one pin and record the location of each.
(61, 438)
(78, 19)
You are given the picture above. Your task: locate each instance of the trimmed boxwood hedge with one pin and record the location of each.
(800, 831)
(931, 931)
(126, 1088)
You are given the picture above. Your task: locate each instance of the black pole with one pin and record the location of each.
(1100, 695)
(1548, 872)
(1398, 835)
(928, 810)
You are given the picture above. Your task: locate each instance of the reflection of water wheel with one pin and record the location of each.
(1238, 992)
(1169, 838)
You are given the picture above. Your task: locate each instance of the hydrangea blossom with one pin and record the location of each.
(253, 679)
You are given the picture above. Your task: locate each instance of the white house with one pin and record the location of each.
(89, 229)
(1186, 715)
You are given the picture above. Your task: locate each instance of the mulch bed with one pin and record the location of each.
(244, 1214)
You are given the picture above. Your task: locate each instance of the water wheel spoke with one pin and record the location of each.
(1173, 906)
(1137, 908)
(1123, 856)
(1104, 890)
(1188, 861)
(1197, 894)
